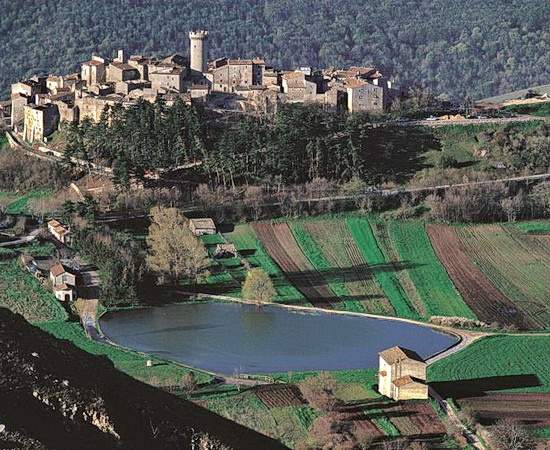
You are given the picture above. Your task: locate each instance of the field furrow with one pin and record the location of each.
(487, 302)
(338, 247)
(385, 272)
(432, 282)
(282, 247)
(516, 263)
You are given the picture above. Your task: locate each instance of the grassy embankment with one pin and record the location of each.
(24, 294)
(535, 109)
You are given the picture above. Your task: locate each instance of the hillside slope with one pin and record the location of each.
(475, 47)
(53, 395)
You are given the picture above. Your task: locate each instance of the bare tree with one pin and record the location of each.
(258, 286)
(509, 435)
(319, 391)
(174, 252)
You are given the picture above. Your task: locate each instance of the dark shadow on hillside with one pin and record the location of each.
(478, 387)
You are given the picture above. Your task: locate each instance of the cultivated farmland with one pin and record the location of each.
(387, 269)
(484, 299)
(282, 247)
(346, 263)
(251, 249)
(432, 282)
(517, 264)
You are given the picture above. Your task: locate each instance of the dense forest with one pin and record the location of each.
(299, 144)
(474, 47)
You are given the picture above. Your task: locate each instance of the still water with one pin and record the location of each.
(229, 337)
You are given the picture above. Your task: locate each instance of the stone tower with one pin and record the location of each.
(198, 50)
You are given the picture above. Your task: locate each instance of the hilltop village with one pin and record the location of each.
(40, 104)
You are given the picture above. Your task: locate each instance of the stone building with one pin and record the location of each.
(39, 122)
(228, 74)
(402, 374)
(22, 94)
(93, 71)
(167, 77)
(118, 71)
(198, 51)
(298, 87)
(364, 96)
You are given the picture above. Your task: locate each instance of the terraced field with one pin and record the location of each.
(517, 264)
(430, 279)
(346, 262)
(488, 303)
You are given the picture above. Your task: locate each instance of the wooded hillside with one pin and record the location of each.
(474, 47)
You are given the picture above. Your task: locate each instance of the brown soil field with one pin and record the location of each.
(529, 409)
(283, 249)
(415, 419)
(487, 302)
(339, 248)
(516, 263)
(278, 395)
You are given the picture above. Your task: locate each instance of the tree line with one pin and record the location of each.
(298, 144)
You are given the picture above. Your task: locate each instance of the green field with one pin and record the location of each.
(320, 263)
(254, 253)
(384, 271)
(498, 356)
(19, 202)
(432, 282)
(22, 293)
(535, 109)
(534, 227)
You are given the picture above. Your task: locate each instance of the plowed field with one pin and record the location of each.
(282, 247)
(487, 302)
(530, 409)
(338, 247)
(517, 264)
(415, 418)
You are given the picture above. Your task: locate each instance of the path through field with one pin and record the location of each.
(488, 303)
(282, 247)
(516, 263)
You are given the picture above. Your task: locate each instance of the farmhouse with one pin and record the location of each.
(63, 282)
(59, 231)
(402, 374)
(202, 226)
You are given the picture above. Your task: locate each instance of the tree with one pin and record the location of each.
(189, 382)
(43, 205)
(258, 286)
(319, 391)
(509, 435)
(173, 251)
(4, 203)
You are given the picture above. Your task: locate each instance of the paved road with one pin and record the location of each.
(24, 240)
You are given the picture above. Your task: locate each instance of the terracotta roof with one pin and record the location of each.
(394, 354)
(57, 269)
(245, 61)
(92, 62)
(122, 66)
(54, 223)
(294, 75)
(407, 379)
(353, 83)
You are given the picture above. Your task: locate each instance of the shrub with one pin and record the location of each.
(319, 391)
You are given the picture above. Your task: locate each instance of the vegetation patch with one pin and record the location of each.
(23, 294)
(495, 363)
(534, 227)
(337, 245)
(384, 270)
(317, 259)
(428, 275)
(516, 263)
(20, 204)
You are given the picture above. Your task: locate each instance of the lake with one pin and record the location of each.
(230, 337)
